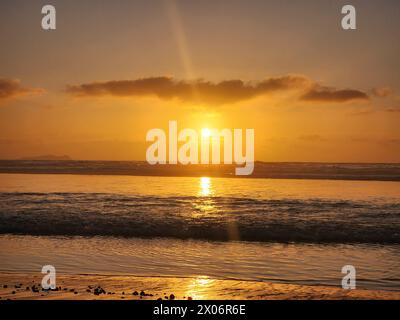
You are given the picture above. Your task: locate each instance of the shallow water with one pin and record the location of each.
(377, 266)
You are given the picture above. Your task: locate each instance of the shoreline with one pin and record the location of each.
(18, 286)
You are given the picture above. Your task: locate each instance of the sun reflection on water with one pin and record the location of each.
(204, 205)
(205, 187)
(200, 288)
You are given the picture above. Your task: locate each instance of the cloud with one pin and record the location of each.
(199, 91)
(319, 94)
(215, 93)
(392, 141)
(11, 88)
(364, 112)
(395, 109)
(382, 92)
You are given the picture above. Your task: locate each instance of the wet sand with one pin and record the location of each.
(93, 287)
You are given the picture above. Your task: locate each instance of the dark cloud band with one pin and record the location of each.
(218, 93)
(10, 88)
(332, 95)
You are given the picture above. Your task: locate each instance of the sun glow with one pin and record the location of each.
(206, 133)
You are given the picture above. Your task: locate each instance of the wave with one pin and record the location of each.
(208, 218)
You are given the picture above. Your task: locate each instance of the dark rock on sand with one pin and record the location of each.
(99, 290)
(5, 286)
(135, 293)
(171, 296)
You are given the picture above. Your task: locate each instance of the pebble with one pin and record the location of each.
(171, 297)
(99, 290)
(135, 293)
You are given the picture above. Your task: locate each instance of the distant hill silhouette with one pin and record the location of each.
(47, 157)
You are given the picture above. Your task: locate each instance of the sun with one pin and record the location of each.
(206, 133)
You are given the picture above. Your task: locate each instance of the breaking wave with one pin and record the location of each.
(208, 218)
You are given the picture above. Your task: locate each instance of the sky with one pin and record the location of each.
(112, 70)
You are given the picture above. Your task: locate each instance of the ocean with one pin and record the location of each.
(300, 231)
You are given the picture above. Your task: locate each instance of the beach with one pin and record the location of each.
(82, 287)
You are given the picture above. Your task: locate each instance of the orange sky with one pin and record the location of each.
(93, 87)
